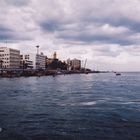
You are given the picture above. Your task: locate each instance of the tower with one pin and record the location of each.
(37, 49)
(54, 55)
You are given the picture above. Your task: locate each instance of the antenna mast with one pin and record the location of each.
(37, 49)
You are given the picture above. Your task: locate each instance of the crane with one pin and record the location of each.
(85, 64)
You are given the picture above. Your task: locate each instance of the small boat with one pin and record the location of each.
(118, 74)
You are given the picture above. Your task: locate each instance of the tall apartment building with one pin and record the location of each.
(9, 58)
(35, 61)
(74, 64)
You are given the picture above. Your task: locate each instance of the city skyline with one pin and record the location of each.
(105, 33)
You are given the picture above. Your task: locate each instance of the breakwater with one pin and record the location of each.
(28, 73)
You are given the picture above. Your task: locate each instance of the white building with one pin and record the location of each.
(9, 58)
(35, 61)
(74, 64)
(25, 62)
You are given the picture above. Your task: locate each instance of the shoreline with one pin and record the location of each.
(39, 73)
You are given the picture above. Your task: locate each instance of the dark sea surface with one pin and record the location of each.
(73, 107)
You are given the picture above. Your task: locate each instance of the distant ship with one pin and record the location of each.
(118, 74)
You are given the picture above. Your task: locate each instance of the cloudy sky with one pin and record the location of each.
(106, 32)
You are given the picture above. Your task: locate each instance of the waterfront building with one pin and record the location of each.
(74, 64)
(25, 62)
(9, 58)
(33, 61)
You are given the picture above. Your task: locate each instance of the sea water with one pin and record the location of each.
(76, 107)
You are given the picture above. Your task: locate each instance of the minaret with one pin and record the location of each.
(54, 55)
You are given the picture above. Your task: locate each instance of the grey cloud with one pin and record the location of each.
(131, 24)
(79, 32)
(7, 34)
(94, 38)
(18, 2)
(91, 13)
(50, 25)
(4, 29)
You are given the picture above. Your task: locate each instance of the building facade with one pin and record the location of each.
(33, 61)
(74, 64)
(25, 62)
(9, 58)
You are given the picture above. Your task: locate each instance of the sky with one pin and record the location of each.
(105, 32)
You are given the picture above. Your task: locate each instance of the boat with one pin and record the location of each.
(118, 74)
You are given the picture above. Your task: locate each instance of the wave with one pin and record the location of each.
(89, 103)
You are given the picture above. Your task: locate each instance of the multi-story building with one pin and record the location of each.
(35, 61)
(9, 58)
(74, 64)
(25, 62)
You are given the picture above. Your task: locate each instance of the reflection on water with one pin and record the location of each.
(93, 106)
